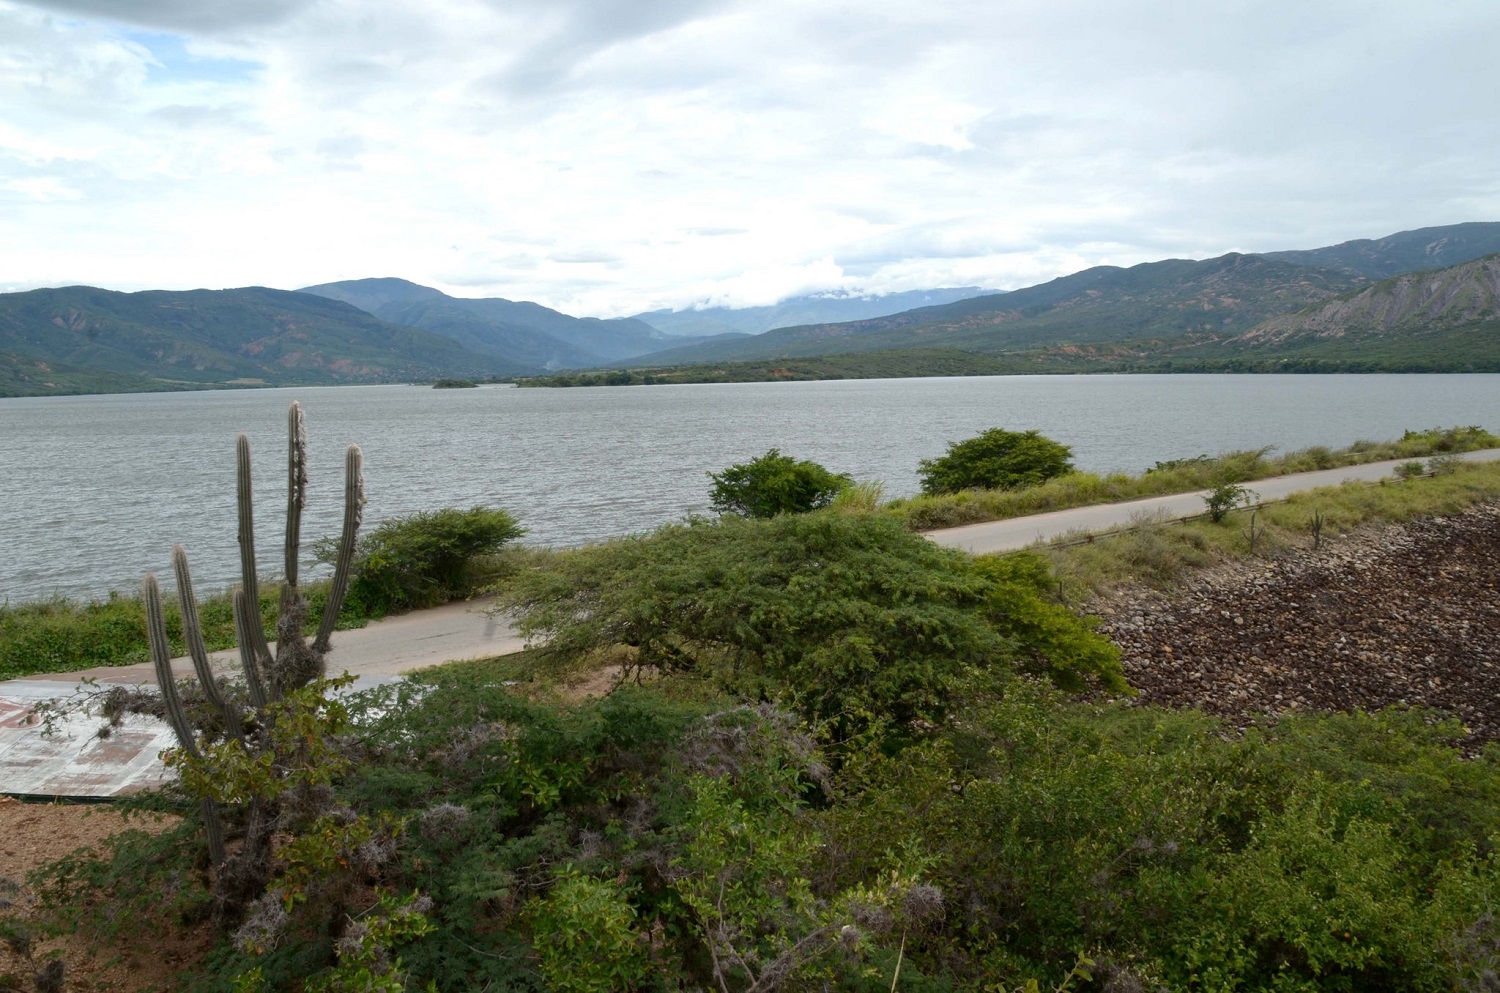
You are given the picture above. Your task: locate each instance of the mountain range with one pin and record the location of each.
(822, 308)
(1423, 299)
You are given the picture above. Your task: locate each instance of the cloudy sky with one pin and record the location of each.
(610, 156)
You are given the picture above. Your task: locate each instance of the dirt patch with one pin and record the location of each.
(32, 835)
(1407, 615)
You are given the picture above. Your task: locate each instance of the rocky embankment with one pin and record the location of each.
(1406, 615)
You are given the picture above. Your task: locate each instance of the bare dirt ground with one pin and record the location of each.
(31, 835)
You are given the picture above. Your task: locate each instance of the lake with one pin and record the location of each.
(95, 490)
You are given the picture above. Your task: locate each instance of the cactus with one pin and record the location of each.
(161, 660)
(1253, 533)
(295, 663)
(1317, 529)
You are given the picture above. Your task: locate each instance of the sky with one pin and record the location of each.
(606, 157)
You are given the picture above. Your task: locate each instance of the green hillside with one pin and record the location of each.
(1174, 297)
(161, 339)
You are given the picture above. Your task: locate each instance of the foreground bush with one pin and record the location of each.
(853, 619)
(422, 560)
(660, 840)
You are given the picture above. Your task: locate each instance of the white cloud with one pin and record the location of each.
(610, 156)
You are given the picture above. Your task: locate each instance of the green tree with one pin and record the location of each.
(774, 484)
(996, 460)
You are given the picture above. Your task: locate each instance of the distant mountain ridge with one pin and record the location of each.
(795, 311)
(518, 331)
(1339, 308)
(1406, 251)
(1173, 297)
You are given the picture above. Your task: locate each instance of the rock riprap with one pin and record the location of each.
(1406, 615)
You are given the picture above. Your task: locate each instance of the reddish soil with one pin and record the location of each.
(32, 835)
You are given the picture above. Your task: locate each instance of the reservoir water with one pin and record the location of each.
(95, 490)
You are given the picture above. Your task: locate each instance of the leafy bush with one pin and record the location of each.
(422, 560)
(774, 484)
(1411, 469)
(1050, 637)
(585, 933)
(853, 619)
(996, 460)
(1298, 857)
(1224, 498)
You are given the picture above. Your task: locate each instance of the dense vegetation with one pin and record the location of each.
(838, 775)
(842, 758)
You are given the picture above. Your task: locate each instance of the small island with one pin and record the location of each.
(455, 384)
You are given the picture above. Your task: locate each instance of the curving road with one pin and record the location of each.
(1019, 532)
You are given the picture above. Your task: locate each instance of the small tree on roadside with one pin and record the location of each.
(1225, 497)
(996, 460)
(774, 484)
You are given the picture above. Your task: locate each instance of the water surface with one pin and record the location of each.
(95, 490)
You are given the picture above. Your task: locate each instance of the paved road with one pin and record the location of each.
(76, 763)
(1003, 536)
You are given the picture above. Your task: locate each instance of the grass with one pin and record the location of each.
(1160, 554)
(1080, 489)
(62, 635)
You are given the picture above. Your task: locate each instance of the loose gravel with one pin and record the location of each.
(1408, 615)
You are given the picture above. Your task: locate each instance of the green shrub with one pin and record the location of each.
(584, 931)
(1411, 469)
(996, 460)
(853, 619)
(422, 560)
(1224, 498)
(774, 484)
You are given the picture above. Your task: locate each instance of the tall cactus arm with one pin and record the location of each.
(296, 487)
(192, 636)
(354, 502)
(244, 619)
(161, 661)
(248, 578)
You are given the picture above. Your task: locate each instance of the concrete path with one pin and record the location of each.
(76, 763)
(1019, 532)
